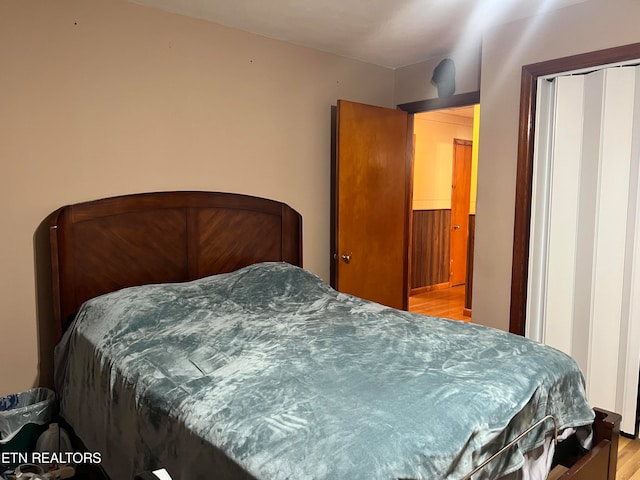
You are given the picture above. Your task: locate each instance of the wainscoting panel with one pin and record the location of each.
(430, 255)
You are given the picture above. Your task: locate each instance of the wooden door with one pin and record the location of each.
(460, 198)
(372, 197)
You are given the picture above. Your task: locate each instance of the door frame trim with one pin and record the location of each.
(459, 100)
(408, 217)
(333, 251)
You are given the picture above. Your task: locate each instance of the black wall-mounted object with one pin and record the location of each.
(444, 78)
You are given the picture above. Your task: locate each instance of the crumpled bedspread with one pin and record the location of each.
(269, 373)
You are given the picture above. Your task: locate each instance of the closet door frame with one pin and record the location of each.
(525, 163)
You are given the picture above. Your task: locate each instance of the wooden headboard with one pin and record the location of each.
(104, 245)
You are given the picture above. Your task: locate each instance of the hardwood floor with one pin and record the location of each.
(628, 459)
(445, 303)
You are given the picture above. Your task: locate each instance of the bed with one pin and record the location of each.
(199, 344)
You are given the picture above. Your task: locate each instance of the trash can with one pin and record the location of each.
(23, 417)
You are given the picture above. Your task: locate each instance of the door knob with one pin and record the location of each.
(456, 227)
(346, 257)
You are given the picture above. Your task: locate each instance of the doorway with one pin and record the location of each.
(443, 212)
(358, 133)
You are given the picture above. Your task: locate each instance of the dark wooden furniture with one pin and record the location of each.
(601, 461)
(104, 245)
(101, 246)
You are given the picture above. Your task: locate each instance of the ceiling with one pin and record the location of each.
(390, 33)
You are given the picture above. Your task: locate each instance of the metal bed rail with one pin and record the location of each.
(514, 442)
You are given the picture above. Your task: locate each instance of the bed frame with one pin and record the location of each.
(104, 245)
(101, 246)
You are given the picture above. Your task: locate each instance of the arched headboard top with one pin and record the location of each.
(104, 245)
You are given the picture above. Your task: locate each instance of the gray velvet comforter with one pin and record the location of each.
(269, 373)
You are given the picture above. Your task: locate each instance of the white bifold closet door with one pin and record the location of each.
(584, 267)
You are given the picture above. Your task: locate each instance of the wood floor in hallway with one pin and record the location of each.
(445, 303)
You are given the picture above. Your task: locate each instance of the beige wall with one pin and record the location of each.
(585, 27)
(433, 162)
(103, 97)
(413, 82)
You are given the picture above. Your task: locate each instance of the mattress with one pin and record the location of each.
(269, 373)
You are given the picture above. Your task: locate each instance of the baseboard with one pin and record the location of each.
(429, 288)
